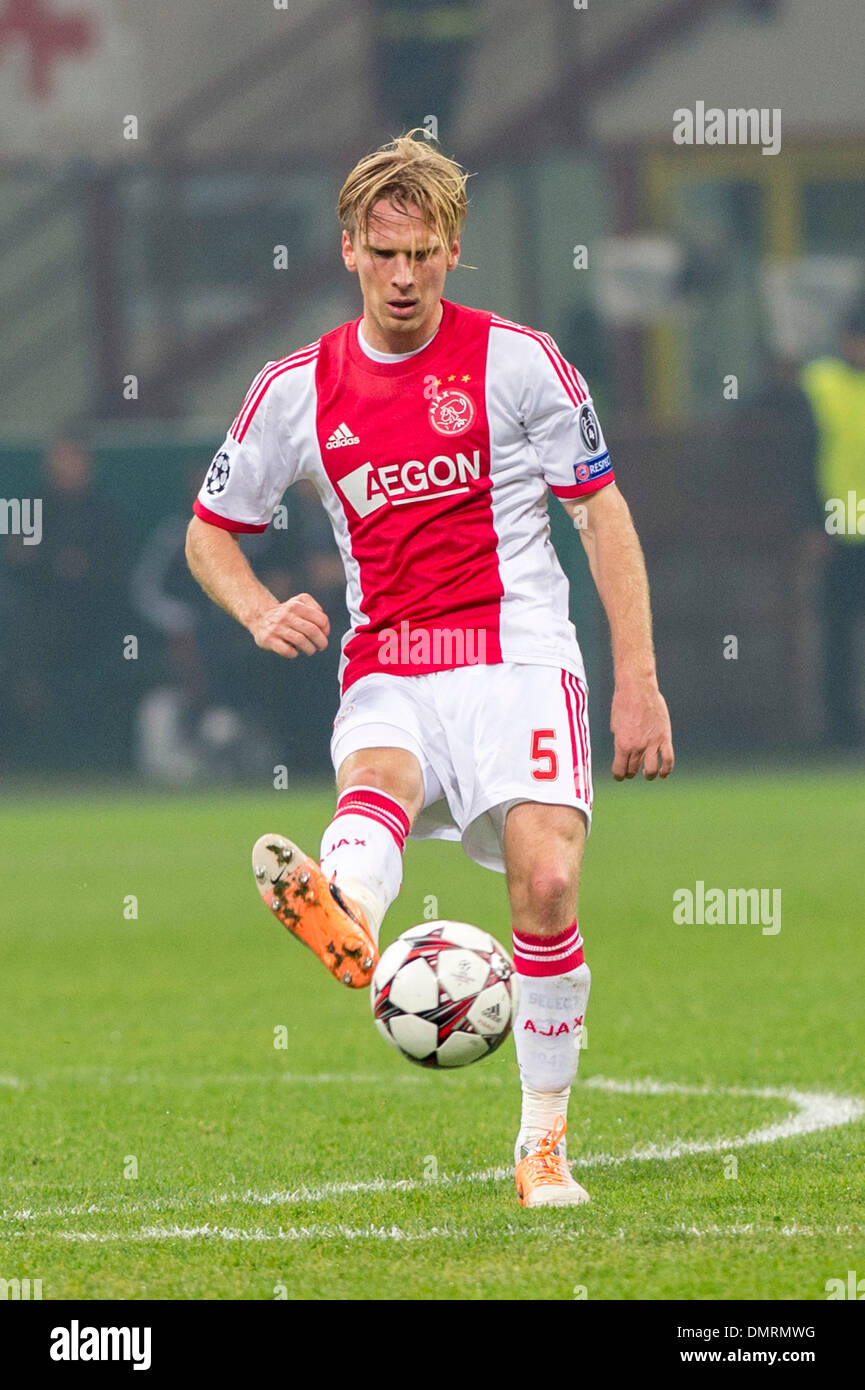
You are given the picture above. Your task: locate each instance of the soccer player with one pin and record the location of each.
(433, 434)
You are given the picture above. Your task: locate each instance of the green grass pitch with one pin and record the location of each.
(157, 1144)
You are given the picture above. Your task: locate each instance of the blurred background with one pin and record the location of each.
(168, 179)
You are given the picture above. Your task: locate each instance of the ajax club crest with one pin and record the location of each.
(452, 412)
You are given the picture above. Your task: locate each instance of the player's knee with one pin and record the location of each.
(550, 896)
(388, 780)
(369, 775)
(364, 775)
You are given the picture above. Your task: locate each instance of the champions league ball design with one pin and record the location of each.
(444, 994)
(217, 474)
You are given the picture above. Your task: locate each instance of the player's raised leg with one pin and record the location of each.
(379, 793)
(543, 854)
(336, 905)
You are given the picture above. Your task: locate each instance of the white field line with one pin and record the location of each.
(328, 1232)
(292, 1233)
(105, 1076)
(814, 1112)
(752, 1228)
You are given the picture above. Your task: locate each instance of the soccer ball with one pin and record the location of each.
(444, 994)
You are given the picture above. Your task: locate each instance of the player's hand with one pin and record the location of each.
(298, 625)
(640, 725)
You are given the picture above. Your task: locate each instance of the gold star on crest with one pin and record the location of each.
(466, 377)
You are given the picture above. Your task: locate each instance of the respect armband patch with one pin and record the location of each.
(592, 469)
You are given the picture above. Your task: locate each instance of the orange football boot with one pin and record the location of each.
(543, 1177)
(314, 910)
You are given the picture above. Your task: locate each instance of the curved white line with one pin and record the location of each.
(815, 1111)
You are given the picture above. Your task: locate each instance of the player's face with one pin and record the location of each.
(401, 293)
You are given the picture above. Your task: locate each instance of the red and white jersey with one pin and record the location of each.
(434, 472)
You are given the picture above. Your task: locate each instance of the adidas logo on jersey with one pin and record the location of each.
(341, 436)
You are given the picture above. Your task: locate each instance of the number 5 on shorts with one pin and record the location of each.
(547, 755)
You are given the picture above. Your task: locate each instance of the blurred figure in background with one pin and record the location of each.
(187, 724)
(65, 671)
(321, 574)
(835, 388)
(218, 707)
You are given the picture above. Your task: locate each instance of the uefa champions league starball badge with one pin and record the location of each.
(217, 474)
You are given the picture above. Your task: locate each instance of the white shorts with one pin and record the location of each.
(486, 737)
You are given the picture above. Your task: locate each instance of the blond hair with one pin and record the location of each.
(406, 171)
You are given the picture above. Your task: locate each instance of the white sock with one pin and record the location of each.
(540, 1111)
(361, 850)
(554, 983)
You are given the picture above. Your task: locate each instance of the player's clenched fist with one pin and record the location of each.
(298, 625)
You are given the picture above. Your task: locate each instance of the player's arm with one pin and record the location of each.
(640, 721)
(224, 573)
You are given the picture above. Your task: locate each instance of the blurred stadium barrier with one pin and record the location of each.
(143, 283)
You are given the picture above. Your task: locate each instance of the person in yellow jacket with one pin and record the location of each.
(835, 388)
